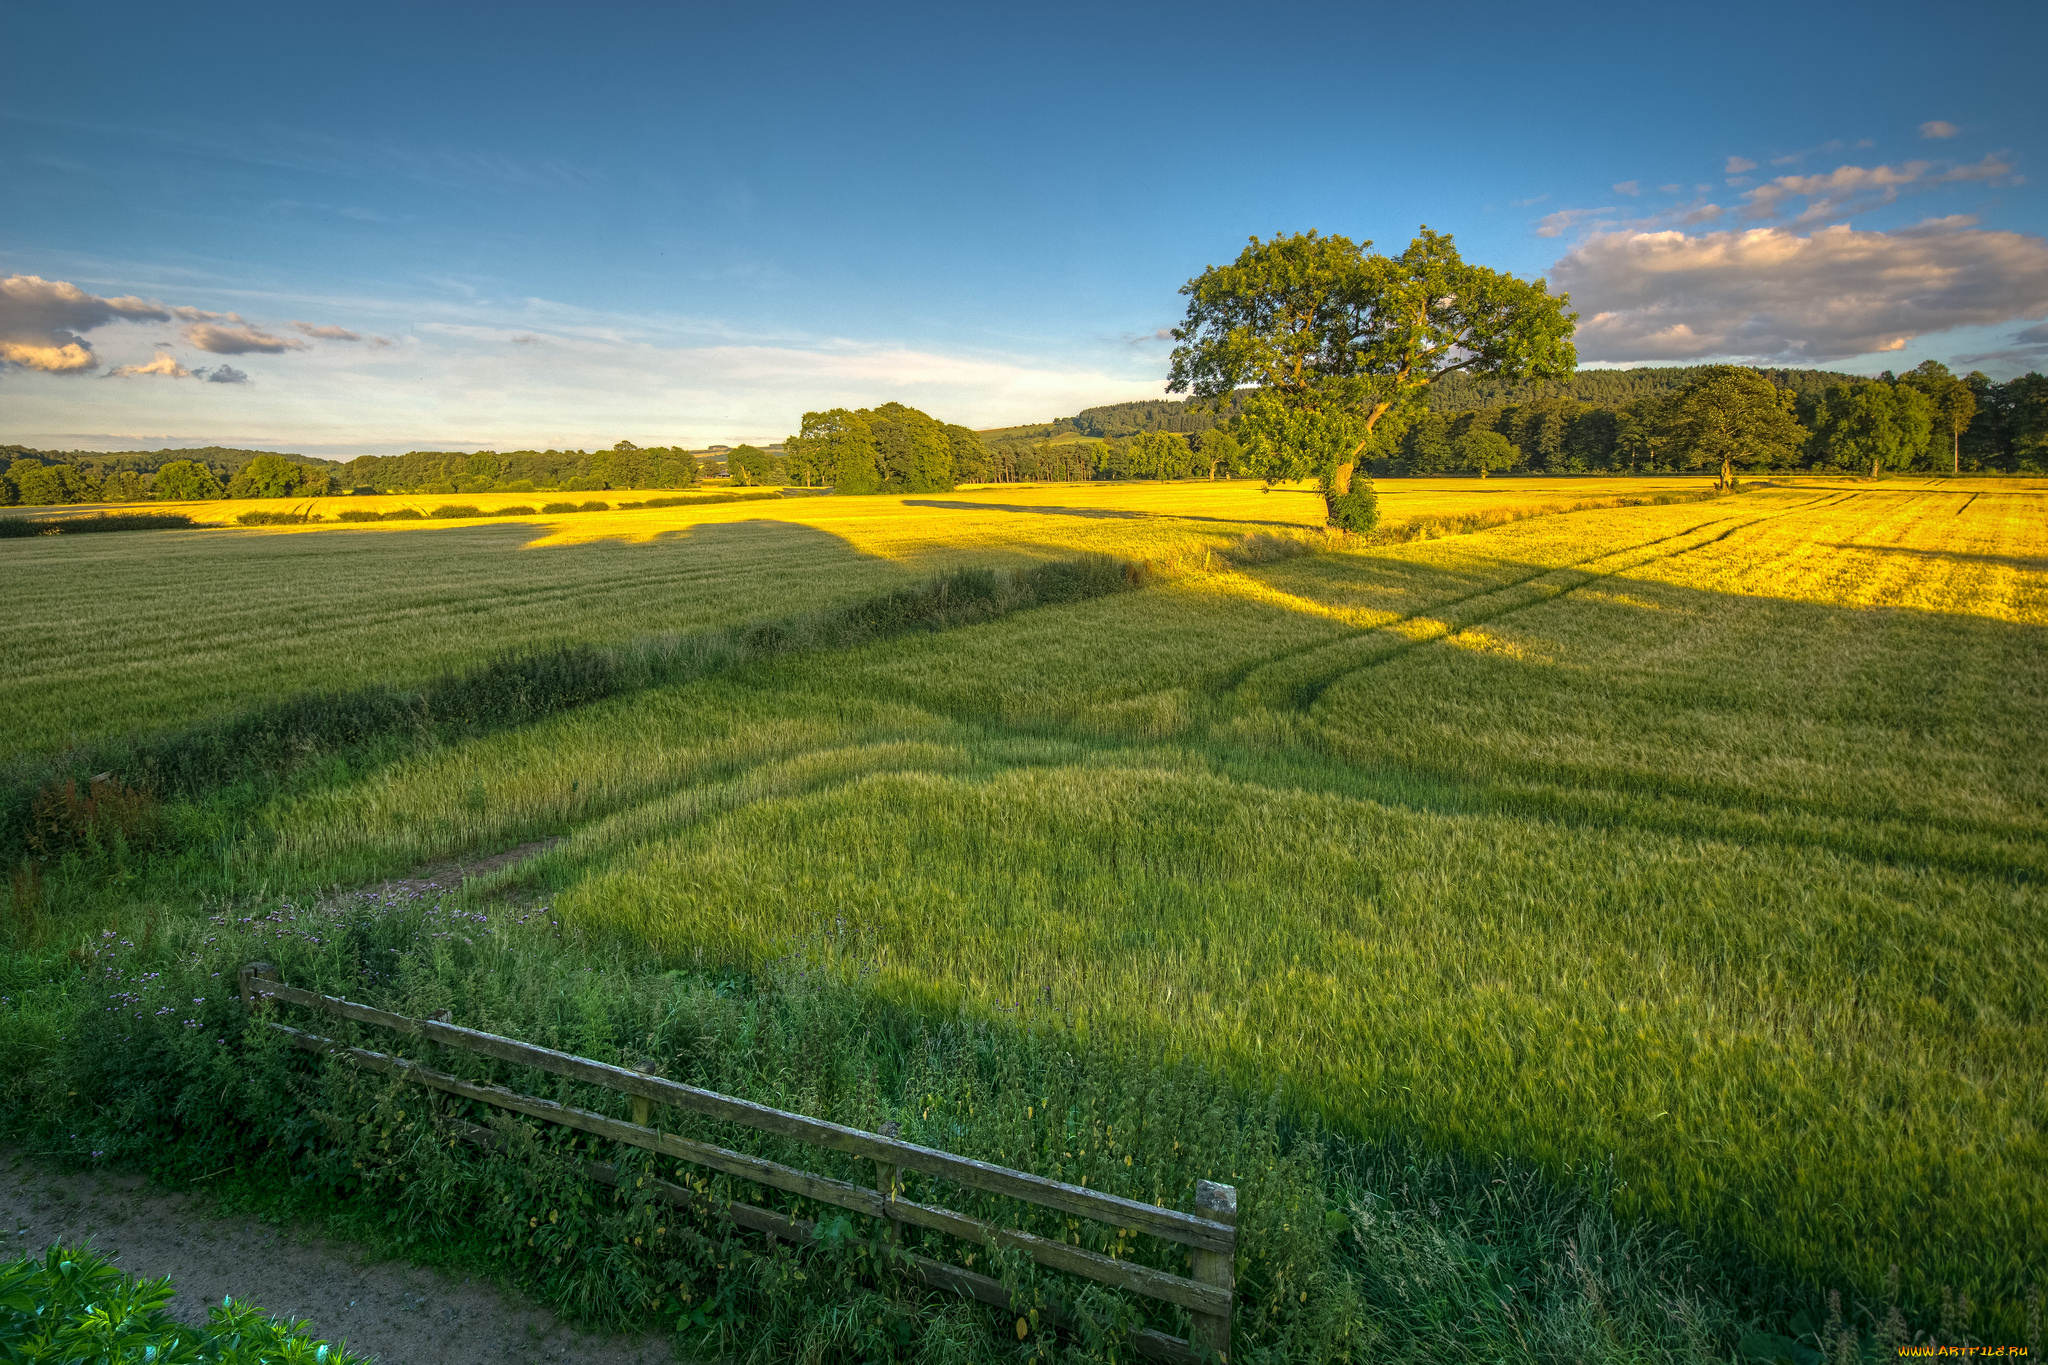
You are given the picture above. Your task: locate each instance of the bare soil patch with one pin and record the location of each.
(399, 1313)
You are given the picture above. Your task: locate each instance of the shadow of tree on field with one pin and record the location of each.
(1104, 513)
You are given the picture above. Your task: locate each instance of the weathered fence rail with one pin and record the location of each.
(1209, 1234)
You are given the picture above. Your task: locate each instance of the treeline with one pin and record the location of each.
(1927, 419)
(1609, 388)
(51, 478)
(625, 465)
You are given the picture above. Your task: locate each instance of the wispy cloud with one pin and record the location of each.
(1737, 165)
(1849, 190)
(244, 340)
(1628, 187)
(1564, 220)
(1938, 128)
(225, 374)
(1525, 203)
(325, 333)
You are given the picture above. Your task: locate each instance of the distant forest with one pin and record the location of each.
(625, 465)
(1598, 421)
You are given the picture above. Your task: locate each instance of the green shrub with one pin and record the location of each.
(404, 514)
(1357, 510)
(595, 506)
(266, 518)
(105, 521)
(554, 507)
(454, 510)
(513, 512)
(71, 1305)
(358, 514)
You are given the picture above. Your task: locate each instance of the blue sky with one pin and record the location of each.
(374, 228)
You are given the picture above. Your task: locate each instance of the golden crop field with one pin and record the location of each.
(133, 632)
(1704, 838)
(1707, 836)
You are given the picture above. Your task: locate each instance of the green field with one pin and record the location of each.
(1703, 838)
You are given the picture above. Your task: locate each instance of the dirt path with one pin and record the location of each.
(399, 1313)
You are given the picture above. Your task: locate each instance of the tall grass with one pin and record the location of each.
(1583, 856)
(1705, 837)
(1348, 1252)
(516, 688)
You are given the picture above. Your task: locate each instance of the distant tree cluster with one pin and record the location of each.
(1728, 418)
(625, 465)
(48, 478)
(889, 449)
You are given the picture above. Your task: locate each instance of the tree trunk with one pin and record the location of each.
(1873, 467)
(1482, 471)
(1340, 482)
(1958, 433)
(1727, 472)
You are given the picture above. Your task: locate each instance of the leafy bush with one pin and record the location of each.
(260, 517)
(105, 521)
(357, 514)
(404, 514)
(595, 506)
(453, 510)
(1356, 510)
(513, 512)
(554, 507)
(72, 1306)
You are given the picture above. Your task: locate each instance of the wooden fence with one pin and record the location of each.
(1210, 1234)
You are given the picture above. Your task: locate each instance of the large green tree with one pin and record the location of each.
(1883, 425)
(1953, 403)
(267, 476)
(185, 481)
(1484, 449)
(1342, 345)
(1729, 417)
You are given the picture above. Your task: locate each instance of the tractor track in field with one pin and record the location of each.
(1304, 694)
(1307, 695)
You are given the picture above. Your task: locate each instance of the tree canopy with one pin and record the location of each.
(892, 448)
(1342, 345)
(1728, 417)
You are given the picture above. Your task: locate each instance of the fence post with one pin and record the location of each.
(1218, 1203)
(251, 973)
(643, 1108)
(889, 1182)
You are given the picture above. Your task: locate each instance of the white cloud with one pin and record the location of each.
(1737, 165)
(1937, 128)
(165, 366)
(1629, 187)
(40, 321)
(243, 340)
(1771, 294)
(325, 333)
